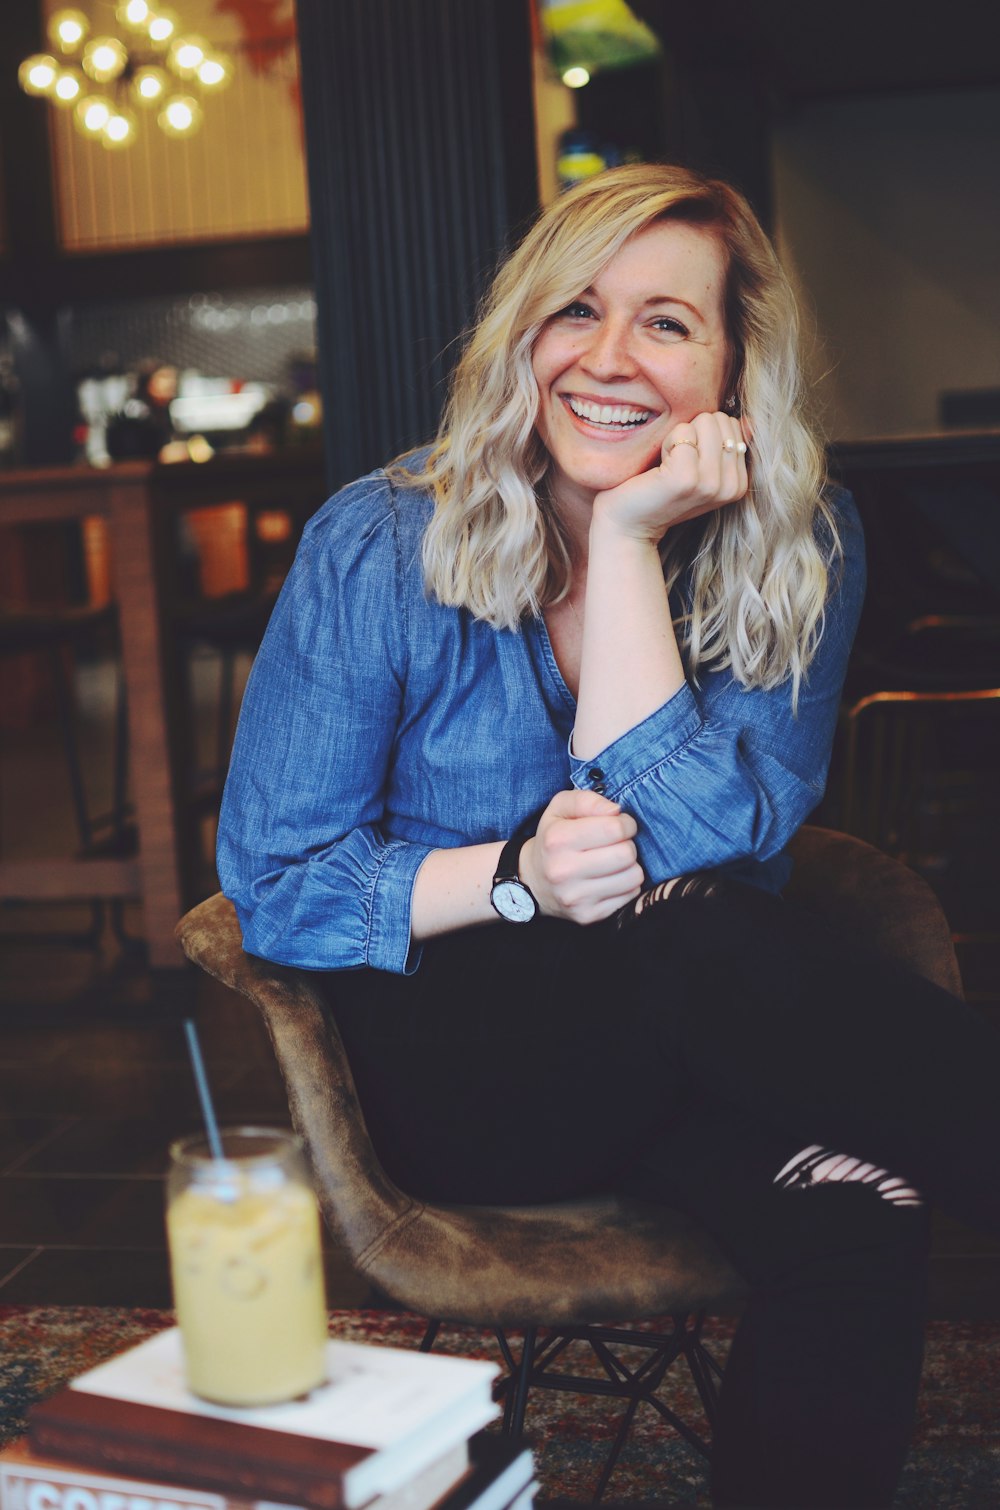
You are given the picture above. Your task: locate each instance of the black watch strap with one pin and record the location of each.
(510, 856)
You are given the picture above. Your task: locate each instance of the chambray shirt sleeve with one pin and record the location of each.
(720, 774)
(300, 851)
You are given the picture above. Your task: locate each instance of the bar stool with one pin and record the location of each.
(59, 634)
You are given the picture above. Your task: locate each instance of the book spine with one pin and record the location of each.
(33, 1486)
(149, 1459)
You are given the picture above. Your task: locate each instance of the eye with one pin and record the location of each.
(576, 311)
(669, 326)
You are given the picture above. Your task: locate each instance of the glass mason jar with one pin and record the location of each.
(246, 1265)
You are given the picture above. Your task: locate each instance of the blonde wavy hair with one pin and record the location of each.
(754, 575)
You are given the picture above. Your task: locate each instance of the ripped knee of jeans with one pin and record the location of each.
(817, 1165)
(703, 884)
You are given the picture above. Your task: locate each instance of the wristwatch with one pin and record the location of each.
(510, 897)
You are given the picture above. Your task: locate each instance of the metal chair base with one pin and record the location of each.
(623, 1378)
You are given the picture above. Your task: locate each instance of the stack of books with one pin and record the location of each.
(390, 1430)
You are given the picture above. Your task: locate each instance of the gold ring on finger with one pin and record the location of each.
(683, 441)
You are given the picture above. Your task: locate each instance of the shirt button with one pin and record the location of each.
(595, 773)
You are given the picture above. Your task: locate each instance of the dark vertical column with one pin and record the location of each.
(29, 226)
(420, 143)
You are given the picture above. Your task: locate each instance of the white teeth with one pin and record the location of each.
(619, 415)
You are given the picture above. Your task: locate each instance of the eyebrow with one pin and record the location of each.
(673, 299)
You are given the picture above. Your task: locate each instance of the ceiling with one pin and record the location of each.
(803, 49)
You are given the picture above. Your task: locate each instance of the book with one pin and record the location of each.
(490, 1473)
(29, 1481)
(501, 1476)
(384, 1415)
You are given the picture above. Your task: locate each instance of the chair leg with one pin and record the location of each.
(64, 704)
(427, 1341)
(85, 829)
(624, 1428)
(705, 1371)
(517, 1401)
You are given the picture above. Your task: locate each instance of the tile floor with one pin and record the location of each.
(94, 1085)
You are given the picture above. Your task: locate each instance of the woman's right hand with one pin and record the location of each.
(581, 864)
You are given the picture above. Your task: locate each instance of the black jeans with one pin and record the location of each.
(688, 1060)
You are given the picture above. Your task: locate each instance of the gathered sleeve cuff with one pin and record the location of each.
(701, 794)
(345, 908)
(641, 749)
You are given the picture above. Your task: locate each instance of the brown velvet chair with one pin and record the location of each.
(571, 1268)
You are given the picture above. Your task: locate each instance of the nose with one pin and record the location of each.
(609, 351)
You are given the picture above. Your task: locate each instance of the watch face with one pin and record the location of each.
(513, 901)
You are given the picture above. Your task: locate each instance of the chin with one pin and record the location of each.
(612, 473)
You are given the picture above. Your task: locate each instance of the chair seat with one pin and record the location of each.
(557, 1265)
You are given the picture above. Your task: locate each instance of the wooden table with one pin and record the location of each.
(123, 496)
(140, 502)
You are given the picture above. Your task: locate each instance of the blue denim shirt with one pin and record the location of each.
(378, 725)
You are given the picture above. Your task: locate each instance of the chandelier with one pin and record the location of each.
(101, 78)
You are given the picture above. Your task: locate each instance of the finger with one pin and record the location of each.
(597, 864)
(722, 474)
(607, 906)
(712, 435)
(581, 834)
(578, 803)
(734, 456)
(681, 449)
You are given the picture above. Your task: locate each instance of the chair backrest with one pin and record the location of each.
(321, 1096)
(869, 897)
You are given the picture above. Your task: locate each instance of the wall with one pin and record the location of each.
(888, 219)
(242, 174)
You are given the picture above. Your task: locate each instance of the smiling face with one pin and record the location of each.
(641, 350)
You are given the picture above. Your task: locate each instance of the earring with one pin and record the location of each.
(732, 405)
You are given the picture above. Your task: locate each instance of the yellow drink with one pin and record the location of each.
(247, 1273)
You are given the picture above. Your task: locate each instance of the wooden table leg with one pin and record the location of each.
(152, 753)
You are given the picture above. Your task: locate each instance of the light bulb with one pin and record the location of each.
(186, 56)
(215, 72)
(67, 29)
(181, 116)
(134, 15)
(104, 59)
(575, 78)
(161, 27)
(92, 114)
(68, 88)
(120, 130)
(38, 74)
(148, 86)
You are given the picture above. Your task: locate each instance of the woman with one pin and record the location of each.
(515, 687)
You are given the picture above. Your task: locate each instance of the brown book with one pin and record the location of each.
(384, 1416)
(29, 1481)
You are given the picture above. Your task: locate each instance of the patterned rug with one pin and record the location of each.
(955, 1462)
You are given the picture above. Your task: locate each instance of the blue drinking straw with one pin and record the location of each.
(204, 1094)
